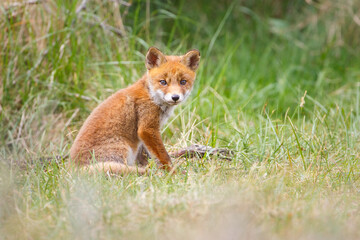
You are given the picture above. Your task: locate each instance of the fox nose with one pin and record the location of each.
(175, 97)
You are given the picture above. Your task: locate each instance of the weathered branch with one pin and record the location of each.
(200, 150)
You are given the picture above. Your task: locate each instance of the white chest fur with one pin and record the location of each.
(165, 114)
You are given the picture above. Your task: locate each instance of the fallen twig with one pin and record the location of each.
(197, 150)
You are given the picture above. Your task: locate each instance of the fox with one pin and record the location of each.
(122, 132)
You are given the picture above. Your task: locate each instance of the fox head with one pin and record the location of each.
(171, 78)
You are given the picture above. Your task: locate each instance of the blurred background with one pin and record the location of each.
(61, 58)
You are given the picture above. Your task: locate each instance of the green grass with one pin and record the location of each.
(296, 170)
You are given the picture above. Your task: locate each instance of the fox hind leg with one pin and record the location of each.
(142, 156)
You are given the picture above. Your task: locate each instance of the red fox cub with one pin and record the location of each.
(125, 128)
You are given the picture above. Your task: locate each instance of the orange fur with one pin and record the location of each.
(121, 131)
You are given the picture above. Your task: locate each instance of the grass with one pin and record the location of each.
(295, 173)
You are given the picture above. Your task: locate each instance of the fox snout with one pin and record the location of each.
(174, 98)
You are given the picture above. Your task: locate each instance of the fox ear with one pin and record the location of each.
(154, 58)
(191, 59)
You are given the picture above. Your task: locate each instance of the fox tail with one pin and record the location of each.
(113, 168)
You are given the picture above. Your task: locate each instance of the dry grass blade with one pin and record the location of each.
(81, 6)
(9, 5)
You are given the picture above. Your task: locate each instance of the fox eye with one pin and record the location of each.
(163, 82)
(183, 82)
